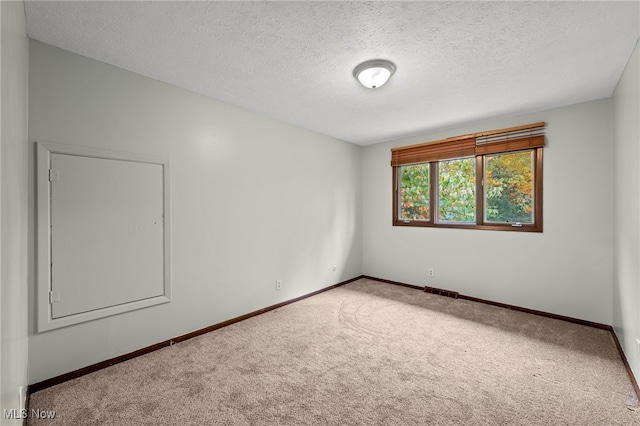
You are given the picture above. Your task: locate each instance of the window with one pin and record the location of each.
(508, 183)
(490, 180)
(457, 190)
(414, 203)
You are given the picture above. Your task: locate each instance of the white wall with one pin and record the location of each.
(245, 213)
(14, 63)
(565, 270)
(626, 208)
(253, 200)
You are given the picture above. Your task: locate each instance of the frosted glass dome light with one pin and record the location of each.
(373, 74)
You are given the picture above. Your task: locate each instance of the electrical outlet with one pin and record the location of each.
(431, 274)
(638, 348)
(334, 268)
(278, 284)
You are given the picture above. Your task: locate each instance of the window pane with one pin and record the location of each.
(414, 192)
(509, 187)
(457, 190)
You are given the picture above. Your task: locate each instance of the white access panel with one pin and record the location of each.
(106, 238)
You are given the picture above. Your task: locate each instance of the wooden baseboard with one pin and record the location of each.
(536, 312)
(501, 305)
(382, 280)
(107, 363)
(634, 382)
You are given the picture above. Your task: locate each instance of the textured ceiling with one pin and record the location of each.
(456, 62)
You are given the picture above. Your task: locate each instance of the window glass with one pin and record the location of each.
(457, 190)
(414, 192)
(509, 187)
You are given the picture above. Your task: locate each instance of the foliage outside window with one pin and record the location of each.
(457, 190)
(509, 187)
(490, 180)
(415, 192)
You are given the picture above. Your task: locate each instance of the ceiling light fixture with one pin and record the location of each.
(374, 73)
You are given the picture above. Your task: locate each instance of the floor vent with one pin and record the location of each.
(441, 292)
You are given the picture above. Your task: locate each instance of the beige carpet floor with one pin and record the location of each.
(366, 353)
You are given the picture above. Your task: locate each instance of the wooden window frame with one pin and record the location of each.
(458, 147)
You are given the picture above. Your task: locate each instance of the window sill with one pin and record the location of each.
(484, 227)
